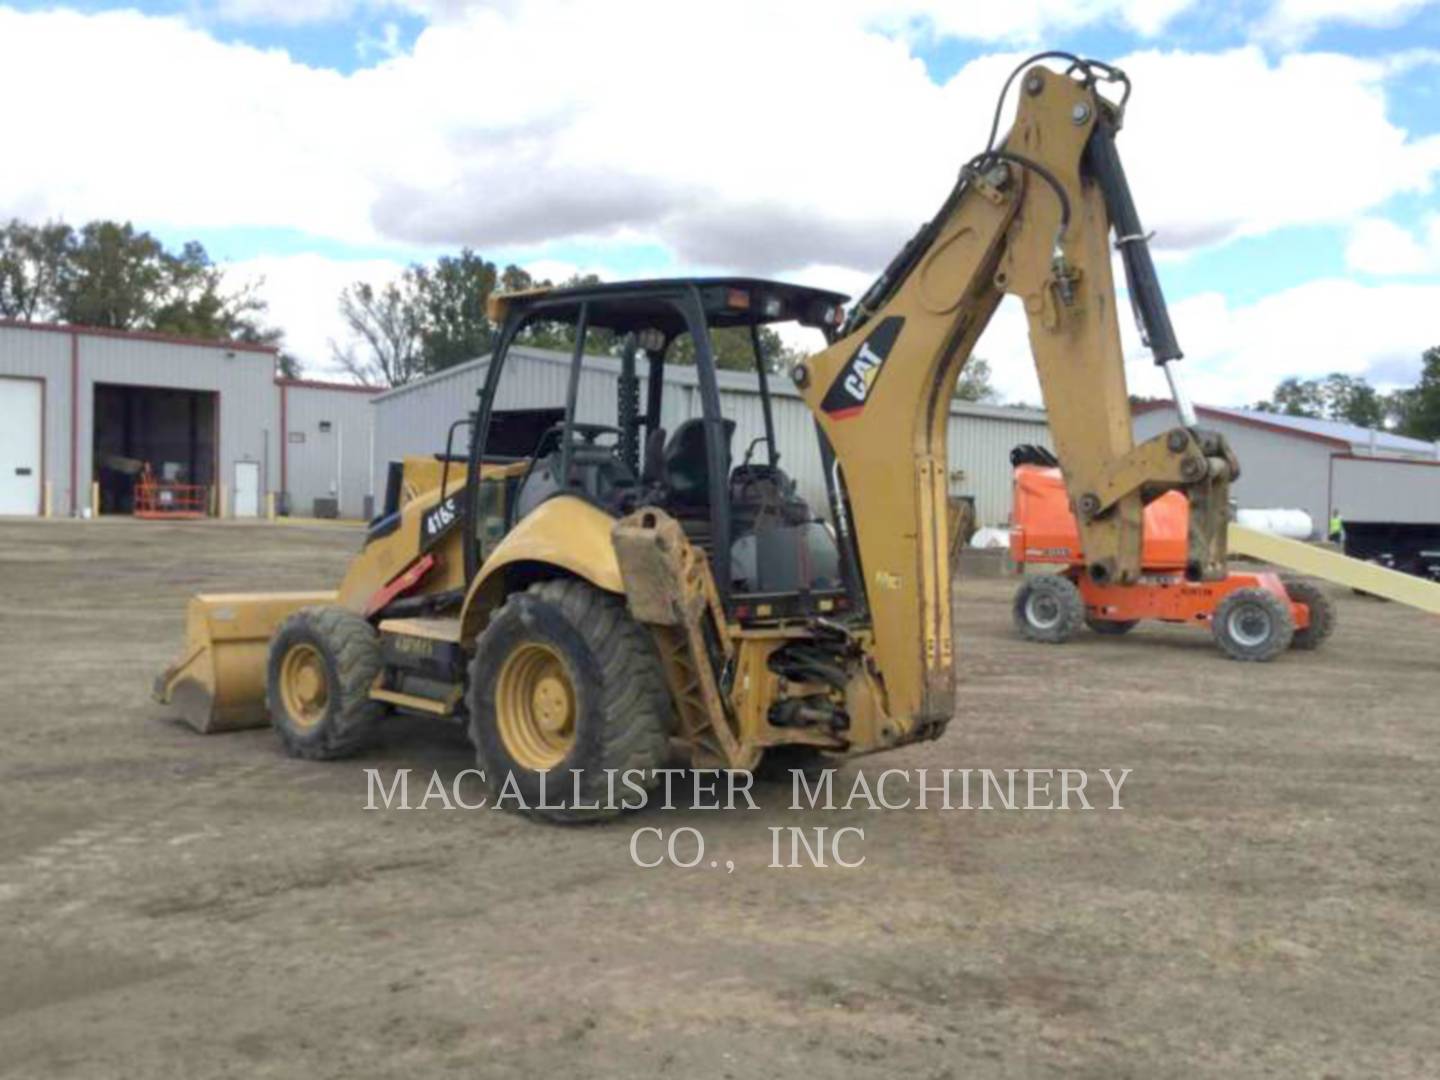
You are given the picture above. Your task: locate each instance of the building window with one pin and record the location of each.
(324, 427)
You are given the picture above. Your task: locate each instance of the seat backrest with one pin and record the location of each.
(687, 476)
(652, 469)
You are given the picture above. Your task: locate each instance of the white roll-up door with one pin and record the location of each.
(20, 446)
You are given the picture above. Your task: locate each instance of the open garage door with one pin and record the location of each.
(1386, 490)
(174, 432)
(20, 410)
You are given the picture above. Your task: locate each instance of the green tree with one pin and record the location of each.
(31, 260)
(1353, 400)
(1335, 397)
(974, 382)
(109, 274)
(113, 277)
(1417, 410)
(734, 350)
(389, 324)
(452, 296)
(1295, 397)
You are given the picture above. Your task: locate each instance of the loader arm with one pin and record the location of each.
(1033, 218)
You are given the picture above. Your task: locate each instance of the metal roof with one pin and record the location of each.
(1361, 438)
(650, 304)
(138, 335)
(688, 375)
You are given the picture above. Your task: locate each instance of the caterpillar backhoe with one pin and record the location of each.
(584, 593)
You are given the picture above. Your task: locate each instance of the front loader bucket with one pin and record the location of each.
(218, 681)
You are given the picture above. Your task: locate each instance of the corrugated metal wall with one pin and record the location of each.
(413, 419)
(45, 356)
(244, 380)
(1277, 470)
(248, 412)
(329, 447)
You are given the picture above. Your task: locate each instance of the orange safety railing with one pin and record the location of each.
(154, 499)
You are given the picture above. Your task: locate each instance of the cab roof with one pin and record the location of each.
(625, 306)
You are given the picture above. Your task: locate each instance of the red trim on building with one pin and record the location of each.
(74, 423)
(316, 384)
(1249, 421)
(139, 335)
(284, 386)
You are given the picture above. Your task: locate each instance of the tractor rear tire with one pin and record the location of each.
(323, 661)
(565, 682)
(1253, 625)
(1048, 609)
(1111, 627)
(1322, 615)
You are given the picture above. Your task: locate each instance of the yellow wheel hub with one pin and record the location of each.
(304, 685)
(535, 706)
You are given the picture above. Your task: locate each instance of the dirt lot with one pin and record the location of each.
(177, 905)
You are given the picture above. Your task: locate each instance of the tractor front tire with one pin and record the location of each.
(1322, 615)
(1048, 609)
(1253, 625)
(564, 686)
(323, 661)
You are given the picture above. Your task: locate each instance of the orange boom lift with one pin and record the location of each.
(1252, 616)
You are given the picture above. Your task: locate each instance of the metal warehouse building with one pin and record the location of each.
(1296, 462)
(82, 410)
(413, 419)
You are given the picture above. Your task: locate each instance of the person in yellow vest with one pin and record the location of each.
(1337, 527)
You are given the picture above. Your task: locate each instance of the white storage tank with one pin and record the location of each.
(1292, 524)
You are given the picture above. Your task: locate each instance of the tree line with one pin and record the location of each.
(433, 317)
(1413, 411)
(111, 275)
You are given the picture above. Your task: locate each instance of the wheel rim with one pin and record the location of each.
(1042, 611)
(1249, 625)
(535, 706)
(304, 685)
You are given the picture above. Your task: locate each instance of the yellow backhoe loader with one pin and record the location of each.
(582, 587)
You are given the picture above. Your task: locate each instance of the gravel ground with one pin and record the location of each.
(189, 906)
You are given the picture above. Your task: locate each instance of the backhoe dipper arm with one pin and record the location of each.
(1029, 219)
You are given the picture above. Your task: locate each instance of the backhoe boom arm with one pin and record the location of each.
(1032, 219)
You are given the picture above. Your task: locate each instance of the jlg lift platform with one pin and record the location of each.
(1252, 615)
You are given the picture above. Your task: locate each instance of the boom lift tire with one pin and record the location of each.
(1048, 609)
(564, 679)
(1253, 624)
(1111, 627)
(323, 662)
(1322, 615)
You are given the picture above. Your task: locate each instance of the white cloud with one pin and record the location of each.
(830, 150)
(302, 292)
(537, 122)
(1291, 22)
(147, 119)
(1229, 144)
(1236, 353)
(1017, 22)
(1379, 246)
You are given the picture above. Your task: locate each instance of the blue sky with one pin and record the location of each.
(1286, 151)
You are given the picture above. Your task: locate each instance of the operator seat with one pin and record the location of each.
(652, 468)
(686, 468)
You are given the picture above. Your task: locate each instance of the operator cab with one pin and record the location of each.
(627, 438)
